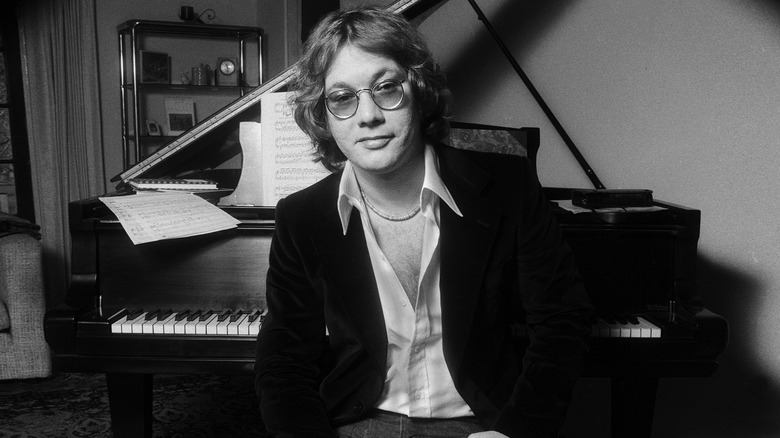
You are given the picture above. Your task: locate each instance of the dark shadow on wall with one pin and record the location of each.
(739, 399)
(481, 65)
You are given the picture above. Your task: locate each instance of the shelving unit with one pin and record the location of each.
(147, 82)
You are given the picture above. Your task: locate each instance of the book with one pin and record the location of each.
(172, 184)
(278, 157)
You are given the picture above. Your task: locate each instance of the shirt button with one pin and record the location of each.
(417, 396)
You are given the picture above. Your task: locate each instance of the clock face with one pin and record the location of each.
(227, 67)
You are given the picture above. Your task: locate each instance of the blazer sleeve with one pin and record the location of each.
(558, 314)
(290, 343)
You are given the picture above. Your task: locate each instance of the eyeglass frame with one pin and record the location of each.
(370, 91)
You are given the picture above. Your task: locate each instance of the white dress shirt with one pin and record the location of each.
(418, 382)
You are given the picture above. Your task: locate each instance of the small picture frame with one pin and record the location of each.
(155, 67)
(180, 114)
(153, 128)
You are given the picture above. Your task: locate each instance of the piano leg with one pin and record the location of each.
(633, 405)
(130, 401)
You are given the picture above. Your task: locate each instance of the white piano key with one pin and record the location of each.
(164, 326)
(246, 327)
(127, 325)
(604, 328)
(243, 326)
(649, 330)
(636, 329)
(169, 328)
(202, 326)
(232, 328)
(643, 328)
(625, 329)
(254, 327)
(191, 328)
(146, 327)
(222, 326)
(116, 320)
(614, 330)
(116, 327)
(211, 326)
(178, 326)
(136, 325)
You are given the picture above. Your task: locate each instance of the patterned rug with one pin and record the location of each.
(76, 405)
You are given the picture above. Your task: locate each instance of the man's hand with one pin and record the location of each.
(488, 434)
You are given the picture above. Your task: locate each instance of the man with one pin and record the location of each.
(393, 283)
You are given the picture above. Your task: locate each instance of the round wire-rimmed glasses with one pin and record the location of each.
(344, 103)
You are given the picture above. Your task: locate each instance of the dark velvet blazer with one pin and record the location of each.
(504, 260)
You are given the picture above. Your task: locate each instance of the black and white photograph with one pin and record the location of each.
(180, 114)
(390, 219)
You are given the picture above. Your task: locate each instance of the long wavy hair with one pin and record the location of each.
(375, 31)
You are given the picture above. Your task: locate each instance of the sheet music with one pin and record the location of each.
(288, 164)
(154, 216)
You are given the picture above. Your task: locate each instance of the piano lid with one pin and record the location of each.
(211, 148)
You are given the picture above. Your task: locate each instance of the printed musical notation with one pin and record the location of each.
(154, 216)
(288, 160)
(278, 157)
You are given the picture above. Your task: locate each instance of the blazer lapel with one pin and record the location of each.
(466, 244)
(349, 278)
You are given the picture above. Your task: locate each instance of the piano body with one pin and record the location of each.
(194, 305)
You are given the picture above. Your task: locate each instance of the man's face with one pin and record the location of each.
(375, 140)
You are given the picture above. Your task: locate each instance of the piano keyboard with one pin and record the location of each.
(187, 322)
(248, 323)
(617, 327)
(625, 327)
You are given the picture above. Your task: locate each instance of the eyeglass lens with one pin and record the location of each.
(344, 103)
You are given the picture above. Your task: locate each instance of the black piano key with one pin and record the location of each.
(152, 315)
(183, 314)
(117, 316)
(205, 315)
(253, 317)
(164, 314)
(194, 315)
(236, 316)
(224, 315)
(133, 314)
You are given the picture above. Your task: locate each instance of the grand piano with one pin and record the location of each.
(194, 305)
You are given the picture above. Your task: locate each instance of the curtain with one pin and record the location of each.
(59, 55)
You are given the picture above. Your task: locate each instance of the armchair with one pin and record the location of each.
(23, 350)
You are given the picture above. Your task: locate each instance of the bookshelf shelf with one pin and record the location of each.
(162, 61)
